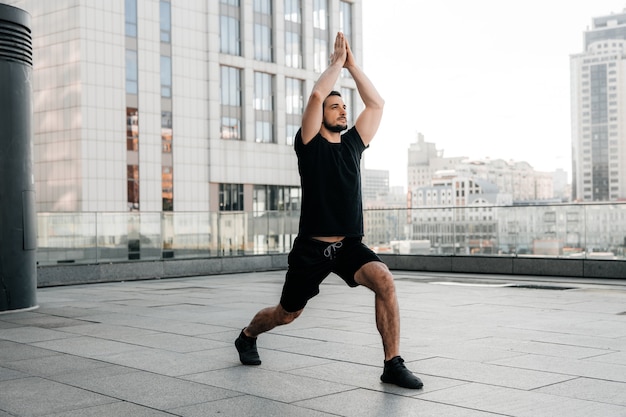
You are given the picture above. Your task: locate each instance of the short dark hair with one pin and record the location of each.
(332, 93)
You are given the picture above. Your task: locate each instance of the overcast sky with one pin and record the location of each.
(482, 78)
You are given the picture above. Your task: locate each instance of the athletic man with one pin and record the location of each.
(331, 219)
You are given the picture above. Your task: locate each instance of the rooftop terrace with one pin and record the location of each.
(485, 345)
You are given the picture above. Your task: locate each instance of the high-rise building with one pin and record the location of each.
(162, 105)
(598, 91)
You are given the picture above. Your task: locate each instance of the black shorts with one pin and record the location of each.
(311, 261)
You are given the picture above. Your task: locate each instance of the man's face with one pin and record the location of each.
(334, 118)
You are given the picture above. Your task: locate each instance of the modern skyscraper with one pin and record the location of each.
(598, 91)
(161, 105)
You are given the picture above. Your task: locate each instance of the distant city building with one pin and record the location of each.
(385, 215)
(424, 159)
(375, 183)
(598, 94)
(163, 106)
(435, 216)
(562, 190)
(517, 179)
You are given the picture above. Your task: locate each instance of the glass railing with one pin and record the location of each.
(595, 231)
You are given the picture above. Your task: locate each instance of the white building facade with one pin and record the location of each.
(598, 91)
(159, 105)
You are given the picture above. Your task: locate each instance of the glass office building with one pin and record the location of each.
(177, 106)
(598, 91)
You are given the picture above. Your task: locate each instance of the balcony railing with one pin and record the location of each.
(595, 231)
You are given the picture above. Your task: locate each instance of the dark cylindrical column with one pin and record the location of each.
(18, 231)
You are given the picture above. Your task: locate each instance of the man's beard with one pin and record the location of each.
(334, 128)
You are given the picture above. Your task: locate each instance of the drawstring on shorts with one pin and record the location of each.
(331, 250)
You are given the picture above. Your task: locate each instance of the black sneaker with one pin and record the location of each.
(246, 346)
(396, 373)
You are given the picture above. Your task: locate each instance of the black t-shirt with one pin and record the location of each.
(330, 176)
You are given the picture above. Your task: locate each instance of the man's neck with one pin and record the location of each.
(333, 137)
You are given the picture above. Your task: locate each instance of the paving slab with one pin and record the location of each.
(35, 396)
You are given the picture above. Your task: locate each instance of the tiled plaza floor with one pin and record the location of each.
(482, 346)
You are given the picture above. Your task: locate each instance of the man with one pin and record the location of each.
(331, 219)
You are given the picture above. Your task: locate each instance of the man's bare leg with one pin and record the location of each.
(268, 318)
(263, 321)
(376, 276)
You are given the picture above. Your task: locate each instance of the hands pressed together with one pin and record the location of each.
(342, 53)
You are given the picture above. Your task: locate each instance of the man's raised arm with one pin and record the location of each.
(313, 112)
(368, 121)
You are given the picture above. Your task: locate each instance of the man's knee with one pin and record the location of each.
(376, 276)
(285, 317)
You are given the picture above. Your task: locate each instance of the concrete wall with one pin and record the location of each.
(70, 274)
(138, 270)
(559, 267)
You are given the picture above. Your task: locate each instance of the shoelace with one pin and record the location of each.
(331, 250)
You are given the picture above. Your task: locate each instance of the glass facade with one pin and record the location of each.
(599, 182)
(132, 112)
(167, 130)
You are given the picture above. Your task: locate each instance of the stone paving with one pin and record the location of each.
(483, 345)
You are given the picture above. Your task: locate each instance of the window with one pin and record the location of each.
(167, 171)
(166, 76)
(294, 103)
(166, 21)
(132, 129)
(293, 33)
(131, 72)
(132, 158)
(167, 188)
(320, 35)
(320, 14)
(345, 20)
(166, 131)
(275, 198)
(130, 13)
(348, 98)
(230, 37)
(133, 187)
(290, 132)
(264, 107)
(263, 42)
(231, 103)
(345, 25)
(231, 197)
